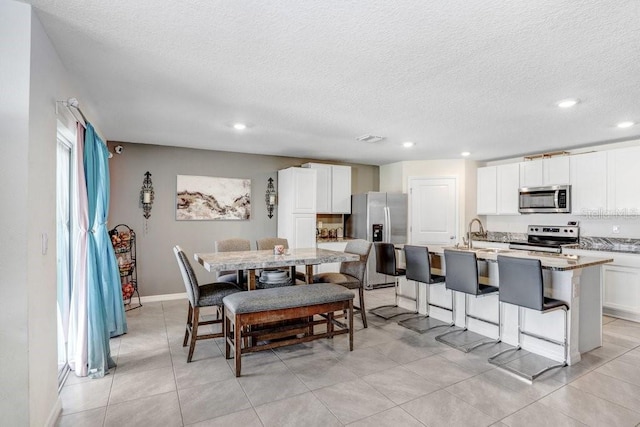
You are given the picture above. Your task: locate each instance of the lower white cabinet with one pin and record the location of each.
(299, 230)
(333, 267)
(620, 283)
(621, 294)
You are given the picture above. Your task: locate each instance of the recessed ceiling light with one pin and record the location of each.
(239, 126)
(625, 124)
(408, 144)
(567, 103)
(465, 154)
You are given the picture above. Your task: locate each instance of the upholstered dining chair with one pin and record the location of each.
(199, 296)
(352, 273)
(232, 245)
(268, 243)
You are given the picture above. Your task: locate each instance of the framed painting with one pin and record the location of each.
(210, 198)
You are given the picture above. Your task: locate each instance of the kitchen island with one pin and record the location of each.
(575, 279)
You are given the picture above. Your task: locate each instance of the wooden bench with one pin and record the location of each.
(285, 316)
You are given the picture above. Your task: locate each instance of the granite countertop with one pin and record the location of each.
(333, 239)
(587, 243)
(550, 261)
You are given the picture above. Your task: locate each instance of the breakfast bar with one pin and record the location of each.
(573, 279)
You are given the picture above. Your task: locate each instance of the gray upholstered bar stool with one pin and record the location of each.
(418, 269)
(462, 276)
(521, 284)
(386, 263)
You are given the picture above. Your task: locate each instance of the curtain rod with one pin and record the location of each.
(73, 102)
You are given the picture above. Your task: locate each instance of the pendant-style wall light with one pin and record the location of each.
(270, 197)
(146, 195)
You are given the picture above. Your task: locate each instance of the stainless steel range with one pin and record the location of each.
(549, 238)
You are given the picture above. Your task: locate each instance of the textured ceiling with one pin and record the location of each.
(311, 76)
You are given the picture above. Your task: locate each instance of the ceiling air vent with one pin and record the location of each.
(370, 138)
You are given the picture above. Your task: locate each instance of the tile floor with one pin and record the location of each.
(394, 377)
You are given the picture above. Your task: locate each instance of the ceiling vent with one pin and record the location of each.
(370, 138)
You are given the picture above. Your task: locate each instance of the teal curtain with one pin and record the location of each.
(105, 305)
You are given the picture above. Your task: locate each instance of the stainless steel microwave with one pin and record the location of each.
(550, 199)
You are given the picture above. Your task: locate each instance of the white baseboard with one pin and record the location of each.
(165, 297)
(52, 420)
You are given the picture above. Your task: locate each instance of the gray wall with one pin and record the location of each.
(158, 272)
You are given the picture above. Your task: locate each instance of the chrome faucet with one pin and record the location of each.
(481, 231)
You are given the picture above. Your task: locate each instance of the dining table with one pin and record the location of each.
(250, 261)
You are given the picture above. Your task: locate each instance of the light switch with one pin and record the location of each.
(45, 243)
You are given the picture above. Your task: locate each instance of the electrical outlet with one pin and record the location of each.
(616, 229)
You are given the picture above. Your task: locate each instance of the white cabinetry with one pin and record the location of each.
(620, 283)
(507, 189)
(551, 171)
(623, 178)
(297, 207)
(621, 291)
(333, 189)
(487, 197)
(588, 182)
(498, 190)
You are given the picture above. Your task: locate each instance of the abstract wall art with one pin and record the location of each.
(211, 198)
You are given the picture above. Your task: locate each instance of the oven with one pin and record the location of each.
(549, 238)
(550, 199)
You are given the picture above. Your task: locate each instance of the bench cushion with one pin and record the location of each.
(285, 297)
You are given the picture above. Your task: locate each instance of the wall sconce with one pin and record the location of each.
(270, 197)
(146, 195)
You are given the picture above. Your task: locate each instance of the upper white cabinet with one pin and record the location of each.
(551, 171)
(623, 174)
(333, 188)
(297, 206)
(487, 196)
(297, 191)
(588, 182)
(498, 190)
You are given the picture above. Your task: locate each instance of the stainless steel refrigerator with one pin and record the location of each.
(378, 217)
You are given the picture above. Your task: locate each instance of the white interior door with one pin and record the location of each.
(433, 204)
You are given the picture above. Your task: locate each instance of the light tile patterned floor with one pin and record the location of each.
(394, 377)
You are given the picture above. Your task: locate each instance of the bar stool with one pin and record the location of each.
(462, 276)
(386, 263)
(521, 284)
(418, 270)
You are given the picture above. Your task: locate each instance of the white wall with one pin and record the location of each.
(32, 78)
(395, 177)
(15, 27)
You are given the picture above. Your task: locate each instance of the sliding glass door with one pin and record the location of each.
(64, 240)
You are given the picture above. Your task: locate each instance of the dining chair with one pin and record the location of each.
(268, 243)
(208, 295)
(352, 273)
(232, 245)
